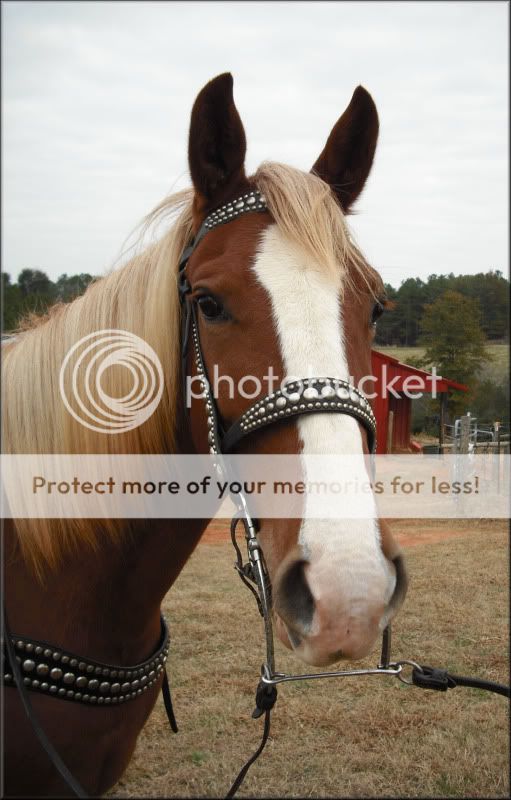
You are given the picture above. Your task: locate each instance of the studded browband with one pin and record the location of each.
(59, 673)
(294, 398)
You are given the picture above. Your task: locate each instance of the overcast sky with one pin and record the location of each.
(97, 99)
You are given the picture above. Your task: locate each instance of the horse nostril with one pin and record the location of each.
(294, 602)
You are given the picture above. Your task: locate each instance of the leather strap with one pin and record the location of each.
(47, 746)
(304, 396)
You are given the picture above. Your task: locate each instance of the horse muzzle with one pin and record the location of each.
(323, 626)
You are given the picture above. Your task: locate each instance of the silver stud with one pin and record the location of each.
(57, 656)
(61, 692)
(294, 397)
(69, 678)
(93, 684)
(65, 659)
(48, 653)
(104, 687)
(342, 393)
(93, 699)
(70, 694)
(134, 685)
(27, 681)
(29, 665)
(53, 690)
(20, 645)
(310, 393)
(98, 671)
(7, 677)
(281, 402)
(81, 682)
(143, 680)
(115, 688)
(240, 204)
(38, 650)
(78, 696)
(56, 674)
(29, 647)
(44, 687)
(82, 666)
(327, 391)
(101, 700)
(35, 684)
(90, 669)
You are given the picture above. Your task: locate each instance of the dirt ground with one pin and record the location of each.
(408, 532)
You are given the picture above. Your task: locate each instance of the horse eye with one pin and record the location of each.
(211, 308)
(377, 311)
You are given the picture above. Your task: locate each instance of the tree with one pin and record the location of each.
(12, 303)
(454, 340)
(34, 281)
(69, 287)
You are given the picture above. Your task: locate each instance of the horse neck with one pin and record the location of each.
(103, 604)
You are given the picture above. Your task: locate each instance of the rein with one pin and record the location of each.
(104, 682)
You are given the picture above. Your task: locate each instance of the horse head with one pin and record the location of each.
(287, 290)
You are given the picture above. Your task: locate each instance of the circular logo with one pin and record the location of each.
(82, 376)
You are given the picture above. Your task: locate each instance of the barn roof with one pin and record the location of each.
(403, 371)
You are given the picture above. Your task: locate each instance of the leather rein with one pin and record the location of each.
(60, 674)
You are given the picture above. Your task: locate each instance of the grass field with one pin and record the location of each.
(356, 737)
(497, 367)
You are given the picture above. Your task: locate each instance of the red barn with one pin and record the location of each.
(394, 378)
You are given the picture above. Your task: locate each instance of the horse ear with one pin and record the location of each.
(216, 144)
(348, 154)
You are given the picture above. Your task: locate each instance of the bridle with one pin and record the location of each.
(106, 684)
(294, 398)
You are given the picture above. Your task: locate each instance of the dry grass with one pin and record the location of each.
(496, 368)
(357, 737)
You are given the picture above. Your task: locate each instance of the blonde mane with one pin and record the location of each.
(141, 297)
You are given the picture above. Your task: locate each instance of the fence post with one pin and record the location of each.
(443, 398)
(497, 431)
(464, 434)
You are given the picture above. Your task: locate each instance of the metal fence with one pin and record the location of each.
(471, 435)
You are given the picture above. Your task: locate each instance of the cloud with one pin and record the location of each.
(97, 98)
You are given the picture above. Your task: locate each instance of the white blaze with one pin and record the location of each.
(345, 554)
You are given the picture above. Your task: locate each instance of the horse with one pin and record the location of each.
(282, 285)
